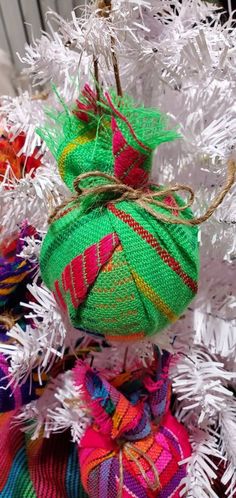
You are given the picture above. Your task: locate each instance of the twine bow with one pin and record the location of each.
(118, 191)
(129, 449)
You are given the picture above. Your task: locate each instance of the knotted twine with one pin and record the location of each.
(145, 198)
(129, 449)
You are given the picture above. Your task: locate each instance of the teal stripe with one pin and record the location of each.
(74, 487)
(18, 484)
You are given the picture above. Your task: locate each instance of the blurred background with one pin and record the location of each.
(20, 22)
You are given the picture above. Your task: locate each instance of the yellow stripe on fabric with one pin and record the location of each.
(43, 376)
(5, 292)
(121, 410)
(154, 298)
(81, 140)
(15, 279)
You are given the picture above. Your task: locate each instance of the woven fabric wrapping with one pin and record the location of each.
(133, 448)
(44, 468)
(11, 154)
(15, 271)
(113, 267)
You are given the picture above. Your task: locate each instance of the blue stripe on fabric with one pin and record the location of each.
(72, 473)
(12, 486)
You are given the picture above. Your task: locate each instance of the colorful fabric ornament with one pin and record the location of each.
(11, 155)
(112, 266)
(43, 468)
(135, 446)
(15, 270)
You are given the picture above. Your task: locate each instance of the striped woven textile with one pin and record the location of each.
(44, 468)
(11, 153)
(11, 275)
(14, 270)
(113, 267)
(133, 449)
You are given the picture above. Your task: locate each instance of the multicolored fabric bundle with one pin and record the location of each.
(112, 266)
(43, 468)
(11, 156)
(135, 445)
(15, 270)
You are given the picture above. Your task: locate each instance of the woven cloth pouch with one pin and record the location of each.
(41, 468)
(114, 268)
(15, 271)
(131, 450)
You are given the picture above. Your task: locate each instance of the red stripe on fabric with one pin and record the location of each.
(11, 440)
(151, 240)
(82, 271)
(77, 285)
(128, 161)
(121, 116)
(48, 459)
(169, 472)
(170, 201)
(107, 246)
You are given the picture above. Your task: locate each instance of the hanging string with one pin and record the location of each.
(230, 7)
(96, 77)
(104, 10)
(122, 191)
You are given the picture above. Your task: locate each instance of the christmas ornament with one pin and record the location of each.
(41, 468)
(135, 446)
(122, 256)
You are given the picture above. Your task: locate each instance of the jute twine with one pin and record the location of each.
(104, 10)
(118, 192)
(129, 449)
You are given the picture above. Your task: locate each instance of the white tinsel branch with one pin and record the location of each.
(200, 383)
(32, 197)
(59, 408)
(227, 429)
(201, 469)
(42, 342)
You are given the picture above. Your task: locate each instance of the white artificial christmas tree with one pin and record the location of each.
(178, 57)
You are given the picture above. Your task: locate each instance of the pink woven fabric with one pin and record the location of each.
(133, 448)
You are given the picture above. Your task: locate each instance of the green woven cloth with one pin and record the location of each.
(113, 267)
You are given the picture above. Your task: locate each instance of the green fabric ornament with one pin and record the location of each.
(115, 268)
